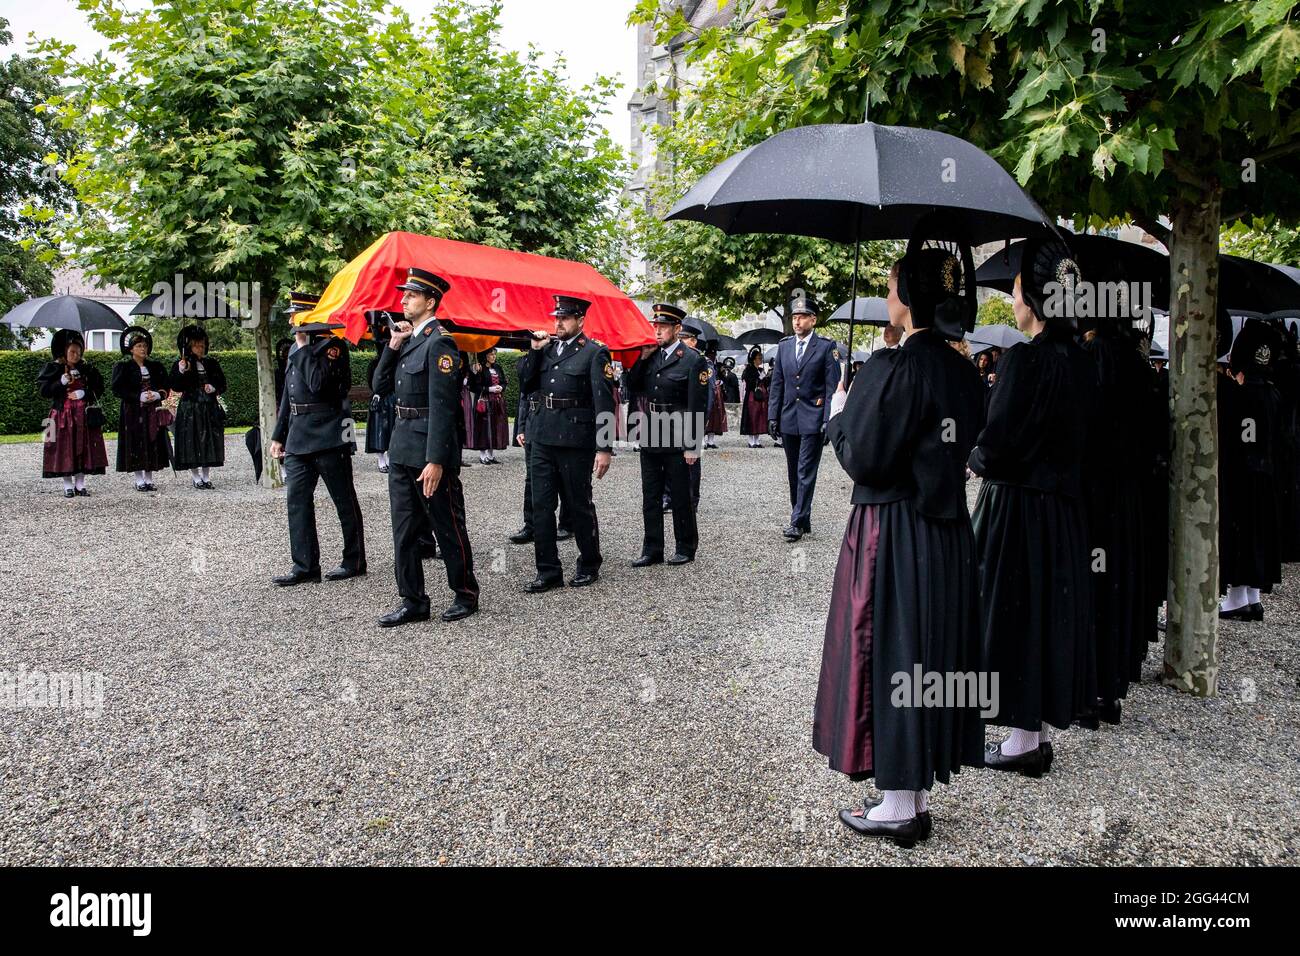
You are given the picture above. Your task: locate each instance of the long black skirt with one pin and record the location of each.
(1118, 562)
(1249, 546)
(143, 443)
(1036, 603)
(200, 434)
(379, 426)
(902, 607)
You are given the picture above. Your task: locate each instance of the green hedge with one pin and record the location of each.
(22, 409)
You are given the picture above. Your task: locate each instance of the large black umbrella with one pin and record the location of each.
(1101, 259)
(761, 336)
(868, 310)
(1247, 285)
(861, 181)
(726, 343)
(996, 336)
(63, 312)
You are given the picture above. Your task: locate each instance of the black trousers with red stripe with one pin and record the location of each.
(445, 512)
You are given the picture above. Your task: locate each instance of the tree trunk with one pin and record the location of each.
(1191, 653)
(266, 404)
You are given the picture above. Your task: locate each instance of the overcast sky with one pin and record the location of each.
(591, 35)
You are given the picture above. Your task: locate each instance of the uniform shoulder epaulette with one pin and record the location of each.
(785, 338)
(597, 342)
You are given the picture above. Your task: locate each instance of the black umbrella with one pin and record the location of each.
(869, 310)
(997, 336)
(63, 312)
(1101, 259)
(726, 343)
(253, 442)
(1246, 285)
(861, 181)
(762, 336)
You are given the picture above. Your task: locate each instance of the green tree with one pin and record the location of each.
(1263, 239)
(1106, 112)
(27, 144)
(730, 276)
(996, 310)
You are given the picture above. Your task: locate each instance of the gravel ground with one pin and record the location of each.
(661, 717)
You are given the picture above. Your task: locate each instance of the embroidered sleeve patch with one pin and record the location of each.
(704, 377)
(609, 371)
(444, 364)
(333, 352)
(835, 353)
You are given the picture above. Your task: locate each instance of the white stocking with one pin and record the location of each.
(67, 483)
(1020, 742)
(1235, 598)
(897, 805)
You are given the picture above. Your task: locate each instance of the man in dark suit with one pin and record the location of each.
(421, 367)
(675, 381)
(528, 405)
(313, 435)
(804, 379)
(572, 428)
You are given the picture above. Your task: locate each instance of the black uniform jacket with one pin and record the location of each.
(677, 383)
(581, 382)
(911, 419)
(424, 373)
(319, 373)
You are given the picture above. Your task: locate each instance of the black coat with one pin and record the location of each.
(313, 377)
(49, 385)
(584, 373)
(911, 419)
(424, 373)
(190, 384)
(126, 381)
(682, 380)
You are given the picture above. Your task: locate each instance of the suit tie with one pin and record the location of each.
(798, 352)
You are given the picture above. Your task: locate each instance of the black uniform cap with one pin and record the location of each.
(803, 304)
(667, 314)
(301, 302)
(422, 280)
(691, 327)
(568, 305)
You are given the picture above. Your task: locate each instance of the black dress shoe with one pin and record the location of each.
(542, 585)
(1239, 614)
(82, 492)
(70, 493)
(522, 536)
(458, 611)
(792, 533)
(680, 558)
(289, 580)
(1045, 748)
(342, 574)
(209, 486)
(1030, 763)
(1256, 612)
(925, 823)
(648, 559)
(150, 486)
(563, 534)
(404, 615)
(584, 578)
(903, 832)
(1111, 711)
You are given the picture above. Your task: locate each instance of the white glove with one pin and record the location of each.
(77, 395)
(65, 380)
(209, 389)
(144, 397)
(494, 389)
(837, 402)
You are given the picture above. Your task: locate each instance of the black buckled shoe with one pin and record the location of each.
(542, 585)
(342, 574)
(522, 536)
(680, 558)
(294, 577)
(563, 534)
(1255, 612)
(458, 611)
(70, 493)
(1238, 614)
(648, 559)
(404, 615)
(1030, 763)
(792, 533)
(82, 492)
(925, 823)
(1111, 711)
(584, 579)
(903, 832)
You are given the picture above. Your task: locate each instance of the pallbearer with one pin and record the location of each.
(903, 600)
(421, 367)
(74, 444)
(572, 434)
(675, 381)
(312, 436)
(140, 383)
(1030, 530)
(200, 419)
(528, 403)
(379, 424)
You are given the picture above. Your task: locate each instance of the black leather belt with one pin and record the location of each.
(533, 404)
(551, 401)
(315, 407)
(666, 407)
(408, 411)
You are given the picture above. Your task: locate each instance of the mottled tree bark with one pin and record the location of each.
(266, 404)
(1191, 653)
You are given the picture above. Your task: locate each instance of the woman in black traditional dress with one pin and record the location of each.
(143, 446)
(753, 408)
(1249, 545)
(1030, 529)
(1118, 462)
(716, 421)
(74, 445)
(903, 599)
(383, 408)
(491, 424)
(200, 419)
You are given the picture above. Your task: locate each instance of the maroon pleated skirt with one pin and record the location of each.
(73, 448)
